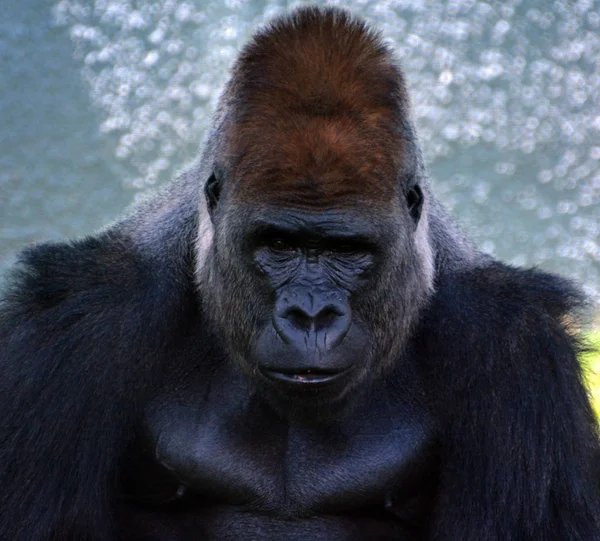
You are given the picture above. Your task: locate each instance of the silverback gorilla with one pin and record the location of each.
(294, 341)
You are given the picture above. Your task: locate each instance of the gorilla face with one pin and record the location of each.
(313, 302)
(316, 269)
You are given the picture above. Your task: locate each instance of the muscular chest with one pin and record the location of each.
(223, 445)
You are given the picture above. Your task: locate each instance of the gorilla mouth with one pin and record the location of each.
(305, 378)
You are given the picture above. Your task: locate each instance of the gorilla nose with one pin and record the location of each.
(301, 318)
(306, 321)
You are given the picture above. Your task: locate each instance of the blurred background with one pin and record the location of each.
(103, 100)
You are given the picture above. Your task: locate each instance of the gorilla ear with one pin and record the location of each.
(212, 191)
(414, 199)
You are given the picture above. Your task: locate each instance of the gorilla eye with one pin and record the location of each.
(280, 246)
(345, 248)
(414, 199)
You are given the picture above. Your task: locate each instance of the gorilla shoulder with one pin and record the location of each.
(88, 277)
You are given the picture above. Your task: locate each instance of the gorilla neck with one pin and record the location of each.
(316, 409)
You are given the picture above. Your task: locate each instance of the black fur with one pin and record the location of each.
(519, 438)
(124, 416)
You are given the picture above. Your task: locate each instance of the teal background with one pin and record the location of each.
(103, 100)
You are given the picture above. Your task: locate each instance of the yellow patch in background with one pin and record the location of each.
(591, 363)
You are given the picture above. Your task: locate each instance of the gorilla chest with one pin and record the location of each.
(230, 449)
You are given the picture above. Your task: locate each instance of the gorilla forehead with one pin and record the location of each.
(316, 161)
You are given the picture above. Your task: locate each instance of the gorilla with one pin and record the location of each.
(294, 340)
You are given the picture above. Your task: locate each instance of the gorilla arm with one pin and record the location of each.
(81, 332)
(518, 462)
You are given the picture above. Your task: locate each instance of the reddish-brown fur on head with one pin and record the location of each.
(317, 113)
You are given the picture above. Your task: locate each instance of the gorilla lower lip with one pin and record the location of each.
(308, 378)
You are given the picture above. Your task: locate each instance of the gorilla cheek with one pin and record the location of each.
(270, 350)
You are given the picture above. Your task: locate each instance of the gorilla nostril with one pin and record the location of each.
(323, 320)
(326, 317)
(307, 318)
(299, 318)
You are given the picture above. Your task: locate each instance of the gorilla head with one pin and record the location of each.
(319, 262)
